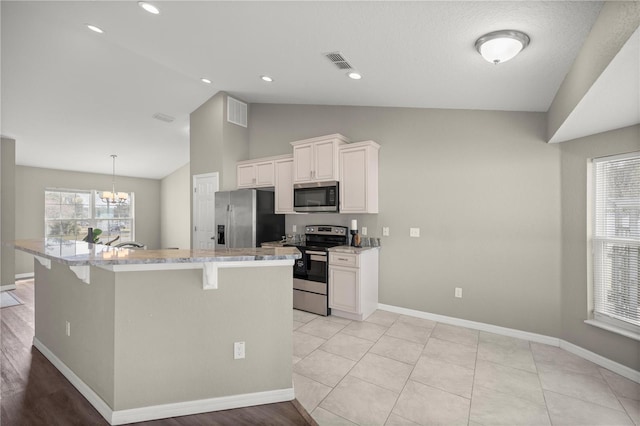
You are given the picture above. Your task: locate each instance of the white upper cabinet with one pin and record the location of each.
(359, 177)
(258, 173)
(316, 159)
(284, 186)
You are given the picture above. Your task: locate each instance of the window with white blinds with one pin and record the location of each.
(616, 240)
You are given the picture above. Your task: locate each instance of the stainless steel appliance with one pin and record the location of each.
(245, 218)
(316, 197)
(310, 273)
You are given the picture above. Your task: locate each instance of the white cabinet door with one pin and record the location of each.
(344, 289)
(303, 160)
(353, 185)
(359, 177)
(325, 161)
(246, 175)
(265, 175)
(316, 159)
(284, 186)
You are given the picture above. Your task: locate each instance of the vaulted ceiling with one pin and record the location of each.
(72, 97)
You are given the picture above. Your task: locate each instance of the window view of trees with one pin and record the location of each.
(69, 213)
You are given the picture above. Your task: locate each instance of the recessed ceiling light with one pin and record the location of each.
(149, 7)
(266, 78)
(94, 28)
(355, 75)
(205, 80)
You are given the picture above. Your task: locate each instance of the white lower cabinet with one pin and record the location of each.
(353, 283)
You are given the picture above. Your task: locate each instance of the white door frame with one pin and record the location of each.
(194, 194)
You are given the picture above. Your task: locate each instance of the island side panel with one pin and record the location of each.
(174, 340)
(89, 308)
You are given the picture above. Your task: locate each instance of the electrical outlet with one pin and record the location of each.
(414, 232)
(458, 293)
(294, 228)
(385, 231)
(238, 350)
(68, 328)
(364, 230)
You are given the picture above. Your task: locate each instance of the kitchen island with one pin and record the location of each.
(147, 334)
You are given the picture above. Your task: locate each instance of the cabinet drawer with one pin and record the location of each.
(343, 259)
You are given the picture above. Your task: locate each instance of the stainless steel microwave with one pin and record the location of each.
(316, 197)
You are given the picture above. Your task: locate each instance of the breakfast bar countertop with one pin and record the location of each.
(77, 253)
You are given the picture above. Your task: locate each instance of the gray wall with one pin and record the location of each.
(141, 339)
(176, 209)
(217, 145)
(7, 211)
(32, 181)
(575, 156)
(483, 187)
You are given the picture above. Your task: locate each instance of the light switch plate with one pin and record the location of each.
(364, 230)
(294, 228)
(414, 232)
(385, 231)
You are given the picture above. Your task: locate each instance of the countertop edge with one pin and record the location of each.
(97, 256)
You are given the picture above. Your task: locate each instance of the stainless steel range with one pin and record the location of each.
(311, 271)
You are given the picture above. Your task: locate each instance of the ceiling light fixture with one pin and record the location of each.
(113, 196)
(266, 78)
(354, 75)
(149, 7)
(205, 80)
(500, 46)
(94, 28)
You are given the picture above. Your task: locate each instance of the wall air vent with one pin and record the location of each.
(236, 112)
(163, 117)
(338, 60)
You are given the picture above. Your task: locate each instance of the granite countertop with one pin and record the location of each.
(351, 249)
(279, 243)
(76, 253)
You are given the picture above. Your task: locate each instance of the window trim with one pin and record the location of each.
(93, 193)
(597, 319)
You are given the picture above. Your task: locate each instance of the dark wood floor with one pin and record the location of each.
(34, 392)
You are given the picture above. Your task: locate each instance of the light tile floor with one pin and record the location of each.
(398, 370)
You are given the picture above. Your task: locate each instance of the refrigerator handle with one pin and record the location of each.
(230, 212)
(221, 239)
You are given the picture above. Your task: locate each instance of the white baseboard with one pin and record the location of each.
(25, 276)
(7, 287)
(93, 398)
(620, 369)
(165, 410)
(511, 332)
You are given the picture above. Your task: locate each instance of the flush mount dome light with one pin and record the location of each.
(354, 75)
(205, 80)
(500, 46)
(266, 78)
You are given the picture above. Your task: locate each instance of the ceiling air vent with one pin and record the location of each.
(236, 112)
(338, 60)
(163, 117)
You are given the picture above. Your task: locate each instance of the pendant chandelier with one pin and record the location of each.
(113, 196)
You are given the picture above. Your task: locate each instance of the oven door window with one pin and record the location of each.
(316, 266)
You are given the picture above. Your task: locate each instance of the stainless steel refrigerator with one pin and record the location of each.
(246, 218)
